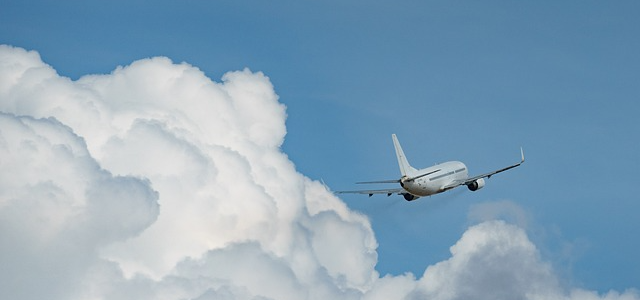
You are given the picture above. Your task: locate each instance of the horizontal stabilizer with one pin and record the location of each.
(381, 181)
(388, 192)
(421, 175)
(404, 179)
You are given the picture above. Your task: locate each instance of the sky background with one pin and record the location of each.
(467, 80)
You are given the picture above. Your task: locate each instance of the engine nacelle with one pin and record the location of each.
(409, 197)
(476, 185)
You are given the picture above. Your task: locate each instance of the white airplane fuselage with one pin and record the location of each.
(429, 181)
(441, 175)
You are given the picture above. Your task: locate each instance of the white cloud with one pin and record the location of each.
(154, 182)
(483, 265)
(58, 207)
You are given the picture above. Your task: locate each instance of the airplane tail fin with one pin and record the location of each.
(405, 168)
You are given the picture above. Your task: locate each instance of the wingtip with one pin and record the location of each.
(326, 187)
(522, 155)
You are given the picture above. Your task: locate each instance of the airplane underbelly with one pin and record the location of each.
(421, 189)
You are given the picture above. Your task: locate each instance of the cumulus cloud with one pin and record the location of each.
(58, 207)
(155, 182)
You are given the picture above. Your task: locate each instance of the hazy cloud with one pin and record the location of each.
(504, 210)
(155, 182)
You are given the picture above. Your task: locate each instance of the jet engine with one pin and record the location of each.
(409, 197)
(476, 185)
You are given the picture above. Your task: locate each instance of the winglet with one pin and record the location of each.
(522, 154)
(325, 185)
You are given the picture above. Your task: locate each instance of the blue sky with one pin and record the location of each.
(468, 81)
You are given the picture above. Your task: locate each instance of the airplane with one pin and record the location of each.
(432, 180)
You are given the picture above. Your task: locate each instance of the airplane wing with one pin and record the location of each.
(389, 192)
(488, 175)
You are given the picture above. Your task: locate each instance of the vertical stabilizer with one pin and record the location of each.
(405, 168)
